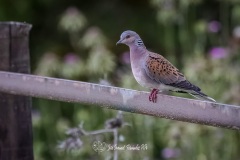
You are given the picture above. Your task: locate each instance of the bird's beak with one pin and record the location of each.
(119, 42)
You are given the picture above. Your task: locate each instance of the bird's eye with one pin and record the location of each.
(128, 36)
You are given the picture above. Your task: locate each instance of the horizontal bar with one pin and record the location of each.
(170, 107)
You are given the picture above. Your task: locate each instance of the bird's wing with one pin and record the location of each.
(162, 71)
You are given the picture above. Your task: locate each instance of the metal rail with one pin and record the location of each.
(170, 107)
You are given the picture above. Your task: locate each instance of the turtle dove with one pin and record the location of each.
(153, 71)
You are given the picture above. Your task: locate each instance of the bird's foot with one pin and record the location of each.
(153, 95)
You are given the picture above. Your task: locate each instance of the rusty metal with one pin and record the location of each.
(170, 107)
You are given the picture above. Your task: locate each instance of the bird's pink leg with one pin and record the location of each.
(153, 95)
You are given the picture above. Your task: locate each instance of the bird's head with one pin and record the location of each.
(130, 38)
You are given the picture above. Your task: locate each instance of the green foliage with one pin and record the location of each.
(76, 40)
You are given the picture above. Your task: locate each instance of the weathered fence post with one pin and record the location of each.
(15, 111)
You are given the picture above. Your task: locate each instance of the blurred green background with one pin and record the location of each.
(76, 40)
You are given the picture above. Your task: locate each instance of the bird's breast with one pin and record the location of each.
(144, 80)
(141, 77)
(138, 60)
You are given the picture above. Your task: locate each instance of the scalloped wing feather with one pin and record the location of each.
(162, 71)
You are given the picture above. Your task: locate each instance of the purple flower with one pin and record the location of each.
(168, 153)
(214, 26)
(71, 58)
(218, 52)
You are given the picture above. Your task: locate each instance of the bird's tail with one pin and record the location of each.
(200, 95)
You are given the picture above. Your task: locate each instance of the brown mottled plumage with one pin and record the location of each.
(154, 71)
(162, 70)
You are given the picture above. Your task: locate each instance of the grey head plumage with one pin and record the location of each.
(131, 38)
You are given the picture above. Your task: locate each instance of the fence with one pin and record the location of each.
(15, 107)
(15, 111)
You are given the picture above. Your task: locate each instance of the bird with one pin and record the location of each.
(153, 71)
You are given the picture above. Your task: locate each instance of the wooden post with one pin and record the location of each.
(15, 111)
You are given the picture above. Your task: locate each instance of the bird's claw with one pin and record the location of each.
(153, 95)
